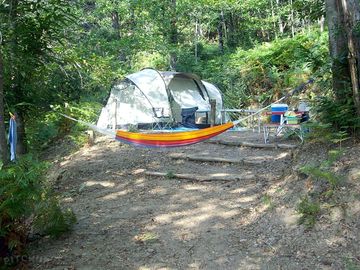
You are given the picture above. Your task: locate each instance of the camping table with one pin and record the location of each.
(282, 126)
(251, 112)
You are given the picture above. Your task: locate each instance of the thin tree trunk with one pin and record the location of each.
(281, 25)
(21, 147)
(220, 32)
(351, 9)
(173, 35)
(338, 48)
(196, 39)
(292, 19)
(273, 17)
(173, 30)
(322, 23)
(3, 145)
(116, 23)
(132, 16)
(231, 28)
(16, 85)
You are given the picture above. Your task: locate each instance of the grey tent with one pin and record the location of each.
(150, 96)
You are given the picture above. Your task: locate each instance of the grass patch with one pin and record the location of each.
(170, 175)
(267, 200)
(146, 238)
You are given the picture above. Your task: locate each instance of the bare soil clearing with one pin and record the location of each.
(130, 220)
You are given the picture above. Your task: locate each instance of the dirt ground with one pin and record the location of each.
(127, 220)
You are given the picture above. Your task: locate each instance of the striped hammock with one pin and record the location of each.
(171, 139)
(178, 138)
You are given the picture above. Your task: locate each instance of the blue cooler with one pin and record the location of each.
(278, 108)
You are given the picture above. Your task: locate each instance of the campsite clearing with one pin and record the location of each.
(130, 220)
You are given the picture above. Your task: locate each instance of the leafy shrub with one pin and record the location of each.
(51, 219)
(340, 114)
(52, 126)
(264, 73)
(323, 171)
(309, 211)
(26, 196)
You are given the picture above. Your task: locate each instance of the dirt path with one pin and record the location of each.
(127, 220)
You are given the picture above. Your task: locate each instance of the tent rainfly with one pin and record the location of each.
(149, 96)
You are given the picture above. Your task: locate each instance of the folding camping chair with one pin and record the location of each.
(163, 120)
(188, 117)
(285, 124)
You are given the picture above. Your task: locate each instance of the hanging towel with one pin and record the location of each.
(12, 138)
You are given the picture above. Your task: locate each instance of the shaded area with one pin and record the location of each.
(130, 221)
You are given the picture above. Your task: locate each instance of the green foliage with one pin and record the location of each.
(323, 171)
(310, 208)
(309, 211)
(266, 72)
(170, 175)
(338, 113)
(266, 200)
(51, 126)
(318, 173)
(146, 59)
(325, 133)
(351, 264)
(24, 194)
(51, 219)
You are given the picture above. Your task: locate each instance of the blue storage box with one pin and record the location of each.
(278, 108)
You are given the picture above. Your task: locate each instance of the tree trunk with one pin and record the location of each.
(273, 17)
(21, 147)
(3, 145)
(16, 84)
(196, 39)
(132, 16)
(116, 23)
(173, 36)
(220, 32)
(338, 48)
(231, 31)
(281, 25)
(292, 19)
(322, 23)
(351, 9)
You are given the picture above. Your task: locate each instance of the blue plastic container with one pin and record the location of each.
(278, 108)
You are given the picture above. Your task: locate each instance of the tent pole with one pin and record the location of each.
(115, 115)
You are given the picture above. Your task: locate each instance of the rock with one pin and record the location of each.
(354, 174)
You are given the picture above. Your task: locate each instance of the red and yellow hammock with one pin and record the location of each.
(171, 139)
(162, 139)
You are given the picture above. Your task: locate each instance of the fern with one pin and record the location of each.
(51, 219)
(323, 171)
(24, 193)
(309, 211)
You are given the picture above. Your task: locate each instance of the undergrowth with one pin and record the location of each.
(309, 211)
(319, 174)
(27, 202)
(50, 127)
(264, 73)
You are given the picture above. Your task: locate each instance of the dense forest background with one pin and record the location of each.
(67, 54)
(71, 52)
(57, 52)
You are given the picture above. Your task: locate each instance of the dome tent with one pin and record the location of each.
(148, 96)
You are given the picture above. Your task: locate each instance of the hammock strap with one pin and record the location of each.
(300, 88)
(257, 112)
(94, 127)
